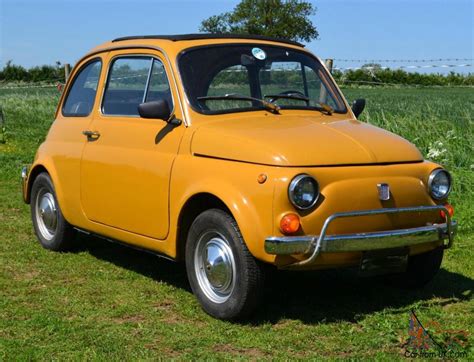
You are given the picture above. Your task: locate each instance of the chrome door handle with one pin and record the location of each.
(91, 135)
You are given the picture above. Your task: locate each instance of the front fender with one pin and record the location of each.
(236, 185)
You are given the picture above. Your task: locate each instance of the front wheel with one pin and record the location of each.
(226, 279)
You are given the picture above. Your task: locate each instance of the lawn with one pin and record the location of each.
(106, 301)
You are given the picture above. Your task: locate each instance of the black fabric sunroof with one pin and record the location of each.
(207, 36)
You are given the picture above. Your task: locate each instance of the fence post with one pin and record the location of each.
(67, 71)
(329, 63)
(323, 95)
(2, 127)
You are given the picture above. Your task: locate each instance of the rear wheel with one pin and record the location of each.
(421, 269)
(226, 279)
(51, 229)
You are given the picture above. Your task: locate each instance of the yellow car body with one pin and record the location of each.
(143, 181)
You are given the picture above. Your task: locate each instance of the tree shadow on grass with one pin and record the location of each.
(311, 297)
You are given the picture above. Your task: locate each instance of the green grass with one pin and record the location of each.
(105, 301)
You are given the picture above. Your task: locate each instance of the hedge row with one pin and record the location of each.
(48, 73)
(44, 73)
(399, 76)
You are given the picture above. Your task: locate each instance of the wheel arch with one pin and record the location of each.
(48, 168)
(195, 205)
(34, 172)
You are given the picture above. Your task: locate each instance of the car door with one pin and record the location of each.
(65, 140)
(127, 161)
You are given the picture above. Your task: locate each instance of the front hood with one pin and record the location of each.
(283, 140)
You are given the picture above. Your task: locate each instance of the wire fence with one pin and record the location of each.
(406, 67)
(403, 60)
(412, 85)
(372, 66)
(29, 86)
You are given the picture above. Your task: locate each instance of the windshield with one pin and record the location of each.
(222, 78)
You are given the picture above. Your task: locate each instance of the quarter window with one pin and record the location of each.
(159, 88)
(132, 81)
(81, 96)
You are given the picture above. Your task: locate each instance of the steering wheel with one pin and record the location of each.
(293, 92)
(288, 92)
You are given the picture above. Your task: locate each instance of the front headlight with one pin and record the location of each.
(439, 184)
(303, 192)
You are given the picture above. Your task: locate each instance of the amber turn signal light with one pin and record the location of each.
(289, 224)
(450, 209)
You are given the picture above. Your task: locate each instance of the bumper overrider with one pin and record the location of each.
(322, 243)
(24, 181)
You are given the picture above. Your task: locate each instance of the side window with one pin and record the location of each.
(126, 86)
(159, 87)
(81, 95)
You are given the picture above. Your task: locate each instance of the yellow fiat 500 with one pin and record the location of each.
(230, 153)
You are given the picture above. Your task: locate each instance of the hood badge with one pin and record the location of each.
(384, 191)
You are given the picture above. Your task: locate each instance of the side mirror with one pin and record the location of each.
(159, 109)
(358, 106)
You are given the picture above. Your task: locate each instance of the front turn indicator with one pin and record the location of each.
(289, 224)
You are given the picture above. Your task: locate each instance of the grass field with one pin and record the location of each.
(105, 301)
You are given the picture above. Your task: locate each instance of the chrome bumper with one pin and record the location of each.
(314, 245)
(24, 181)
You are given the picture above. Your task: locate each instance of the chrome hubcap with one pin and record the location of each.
(46, 214)
(215, 267)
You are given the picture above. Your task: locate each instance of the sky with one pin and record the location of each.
(36, 32)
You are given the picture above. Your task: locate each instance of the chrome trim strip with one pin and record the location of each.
(359, 241)
(355, 242)
(147, 85)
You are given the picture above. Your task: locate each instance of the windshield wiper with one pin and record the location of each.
(323, 107)
(287, 96)
(239, 97)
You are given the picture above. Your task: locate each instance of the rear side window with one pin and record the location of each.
(81, 95)
(132, 81)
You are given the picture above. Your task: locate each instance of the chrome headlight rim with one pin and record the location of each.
(291, 190)
(431, 178)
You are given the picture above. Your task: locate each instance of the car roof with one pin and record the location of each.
(200, 36)
(175, 44)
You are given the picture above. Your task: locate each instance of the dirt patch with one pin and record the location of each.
(162, 305)
(163, 351)
(252, 353)
(283, 324)
(129, 319)
(27, 276)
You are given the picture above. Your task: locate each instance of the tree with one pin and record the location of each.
(372, 66)
(287, 19)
